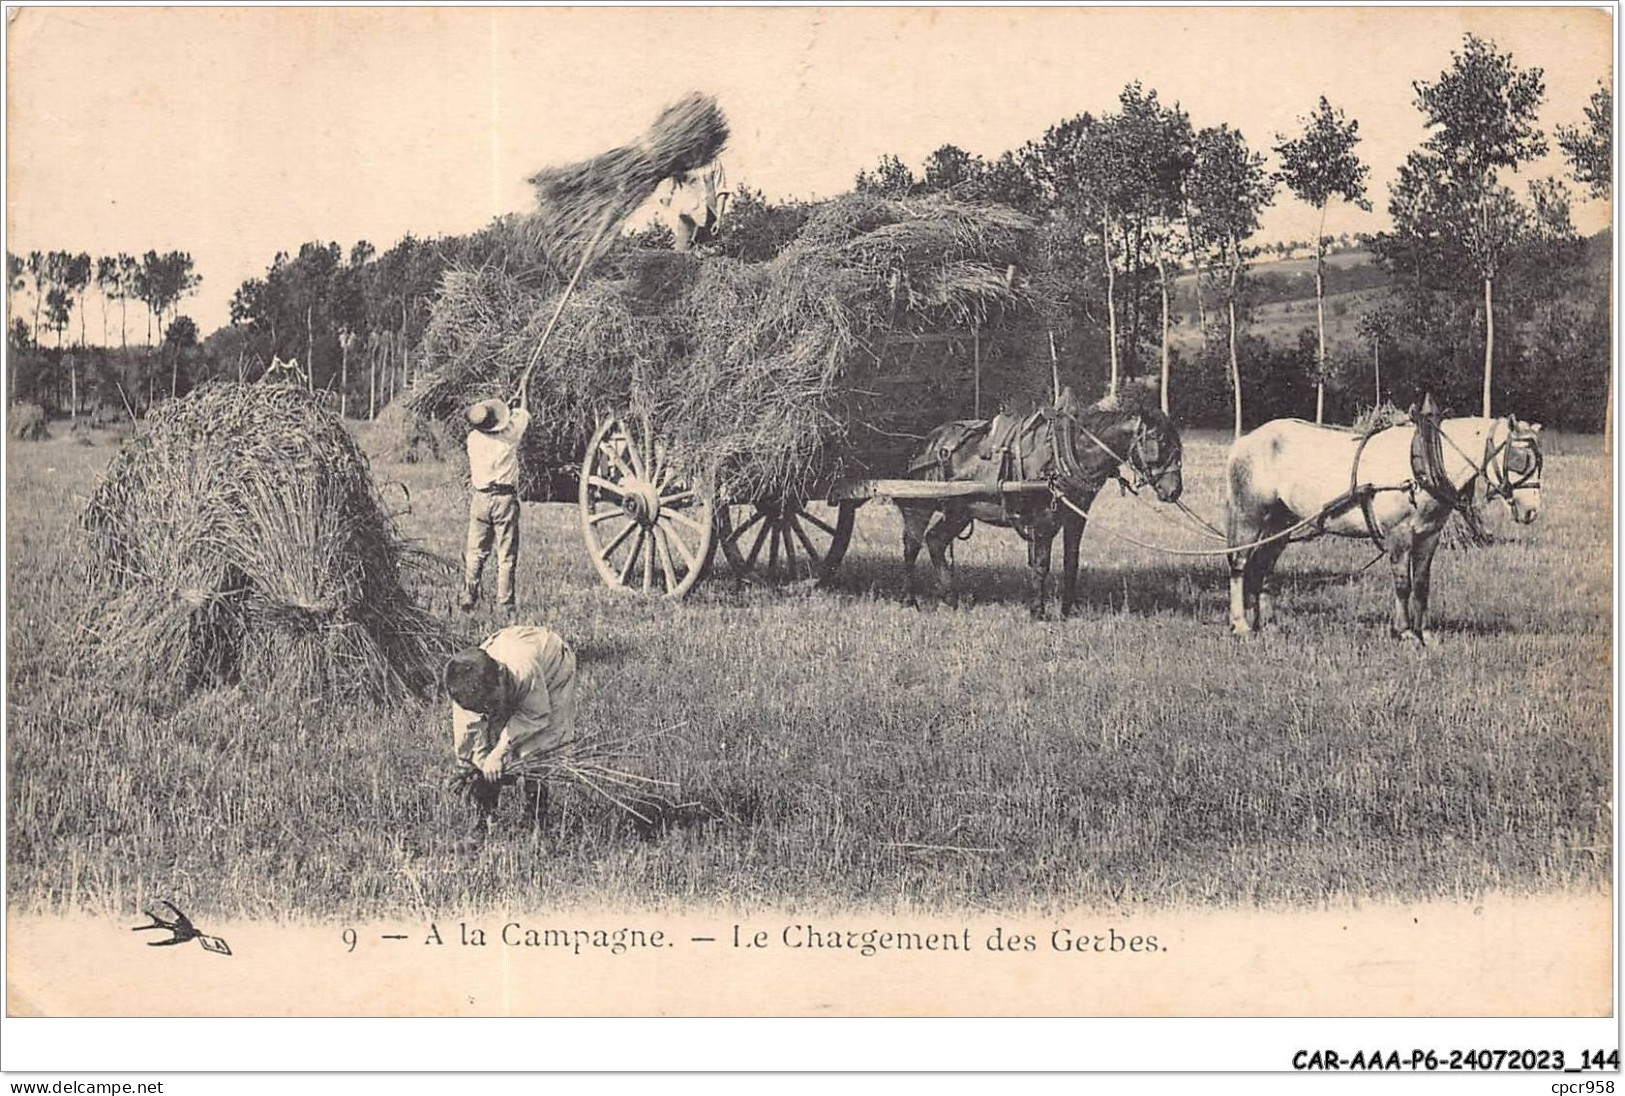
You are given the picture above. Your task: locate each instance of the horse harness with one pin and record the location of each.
(1428, 473)
(1000, 441)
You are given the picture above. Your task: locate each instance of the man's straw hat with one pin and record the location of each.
(488, 415)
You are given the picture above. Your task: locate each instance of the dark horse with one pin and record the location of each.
(1070, 450)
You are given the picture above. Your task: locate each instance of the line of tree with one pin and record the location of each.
(45, 289)
(353, 320)
(1152, 199)
(1141, 214)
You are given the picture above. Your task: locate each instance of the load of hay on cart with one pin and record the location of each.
(709, 405)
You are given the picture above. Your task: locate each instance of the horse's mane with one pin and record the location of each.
(1130, 402)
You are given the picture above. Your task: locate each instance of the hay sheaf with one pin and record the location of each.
(589, 200)
(240, 539)
(406, 437)
(27, 422)
(835, 357)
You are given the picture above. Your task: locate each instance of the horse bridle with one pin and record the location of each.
(1145, 471)
(1137, 461)
(1527, 473)
(1143, 465)
(1530, 461)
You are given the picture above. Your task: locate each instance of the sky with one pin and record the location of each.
(235, 133)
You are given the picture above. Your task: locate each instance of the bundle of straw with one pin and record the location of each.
(239, 538)
(27, 422)
(403, 435)
(597, 763)
(583, 205)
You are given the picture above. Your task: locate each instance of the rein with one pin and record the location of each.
(1287, 532)
(1505, 487)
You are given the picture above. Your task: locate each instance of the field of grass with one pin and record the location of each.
(843, 749)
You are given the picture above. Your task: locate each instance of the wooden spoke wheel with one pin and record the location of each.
(785, 540)
(645, 528)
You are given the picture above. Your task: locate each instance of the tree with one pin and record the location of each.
(70, 276)
(129, 277)
(1008, 182)
(1374, 326)
(77, 273)
(16, 282)
(58, 311)
(1318, 165)
(891, 178)
(756, 229)
(37, 272)
(952, 170)
(163, 282)
(107, 284)
(1081, 165)
(1159, 149)
(1590, 153)
(142, 284)
(1590, 149)
(1481, 113)
(16, 278)
(1230, 190)
(181, 333)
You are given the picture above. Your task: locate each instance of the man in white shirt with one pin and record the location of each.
(493, 512)
(513, 697)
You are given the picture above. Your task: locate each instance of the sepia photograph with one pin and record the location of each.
(788, 512)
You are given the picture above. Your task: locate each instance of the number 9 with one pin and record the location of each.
(350, 938)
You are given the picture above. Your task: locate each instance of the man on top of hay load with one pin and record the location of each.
(512, 699)
(493, 512)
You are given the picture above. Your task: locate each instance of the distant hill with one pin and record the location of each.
(1284, 290)
(1284, 294)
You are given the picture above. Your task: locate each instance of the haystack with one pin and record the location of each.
(834, 358)
(27, 422)
(404, 436)
(241, 538)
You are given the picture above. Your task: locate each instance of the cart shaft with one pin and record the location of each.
(931, 489)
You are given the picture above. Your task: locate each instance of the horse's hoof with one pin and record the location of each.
(1241, 630)
(1429, 639)
(1410, 637)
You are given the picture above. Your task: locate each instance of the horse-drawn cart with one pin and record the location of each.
(648, 527)
(651, 531)
(746, 407)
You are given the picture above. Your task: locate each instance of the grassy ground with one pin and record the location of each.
(843, 748)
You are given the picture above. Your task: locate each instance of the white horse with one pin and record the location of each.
(1291, 477)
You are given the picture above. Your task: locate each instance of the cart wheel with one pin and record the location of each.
(786, 540)
(645, 529)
